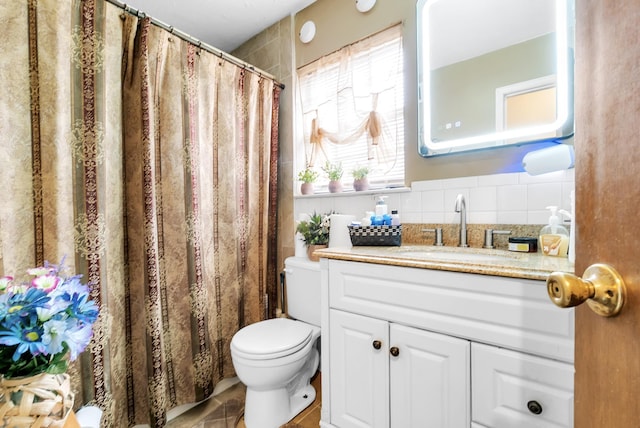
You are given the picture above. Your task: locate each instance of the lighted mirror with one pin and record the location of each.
(493, 73)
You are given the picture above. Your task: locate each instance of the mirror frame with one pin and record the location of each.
(564, 93)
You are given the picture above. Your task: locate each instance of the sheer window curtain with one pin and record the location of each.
(351, 105)
(151, 165)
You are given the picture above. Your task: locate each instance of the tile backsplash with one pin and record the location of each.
(515, 198)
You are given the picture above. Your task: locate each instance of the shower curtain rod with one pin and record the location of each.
(196, 42)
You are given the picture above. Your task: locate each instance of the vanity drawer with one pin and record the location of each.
(512, 389)
(509, 312)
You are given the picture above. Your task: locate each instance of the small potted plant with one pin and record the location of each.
(308, 176)
(360, 181)
(334, 172)
(315, 233)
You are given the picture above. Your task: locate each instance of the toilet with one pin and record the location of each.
(276, 358)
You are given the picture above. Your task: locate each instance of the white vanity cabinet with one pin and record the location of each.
(389, 372)
(407, 347)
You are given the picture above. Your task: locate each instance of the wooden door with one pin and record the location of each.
(607, 140)
(359, 371)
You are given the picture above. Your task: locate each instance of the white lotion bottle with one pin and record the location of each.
(381, 206)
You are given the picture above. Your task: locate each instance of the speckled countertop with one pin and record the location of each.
(469, 260)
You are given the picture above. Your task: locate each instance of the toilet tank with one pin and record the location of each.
(302, 289)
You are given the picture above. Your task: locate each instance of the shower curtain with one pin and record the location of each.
(150, 165)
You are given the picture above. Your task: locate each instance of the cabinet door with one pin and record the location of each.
(429, 379)
(512, 389)
(359, 371)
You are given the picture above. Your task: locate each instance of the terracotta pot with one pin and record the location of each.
(335, 186)
(361, 184)
(307, 189)
(312, 248)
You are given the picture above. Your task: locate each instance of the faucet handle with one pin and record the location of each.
(438, 235)
(488, 236)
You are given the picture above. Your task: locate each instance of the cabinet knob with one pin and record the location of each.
(377, 344)
(394, 351)
(601, 286)
(534, 407)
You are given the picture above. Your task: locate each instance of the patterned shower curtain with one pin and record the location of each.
(151, 165)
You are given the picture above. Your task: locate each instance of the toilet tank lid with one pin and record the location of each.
(273, 338)
(301, 262)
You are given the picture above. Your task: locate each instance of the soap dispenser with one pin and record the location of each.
(554, 237)
(381, 206)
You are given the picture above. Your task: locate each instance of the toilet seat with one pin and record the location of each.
(274, 338)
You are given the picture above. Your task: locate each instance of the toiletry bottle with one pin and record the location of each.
(395, 218)
(380, 212)
(554, 237)
(366, 220)
(381, 206)
(571, 215)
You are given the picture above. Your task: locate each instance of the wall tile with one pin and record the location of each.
(498, 179)
(542, 195)
(549, 177)
(516, 198)
(483, 199)
(512, 217)
(460, 182)
(411, 203)
(538, 217)
(433, 201)
(411, 217)
(512, 198)
(483, 217)
(419, 186)
(435, 217)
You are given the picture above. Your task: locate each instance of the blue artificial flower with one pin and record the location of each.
(46, 316)
(56, 308)
(24, 305)
(77, 296)
(27, 338)
(77, 339)
(55, 332)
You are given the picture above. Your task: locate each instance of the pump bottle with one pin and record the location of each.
(554, 237)
(381, 206)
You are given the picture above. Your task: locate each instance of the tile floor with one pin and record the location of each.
(226, 411)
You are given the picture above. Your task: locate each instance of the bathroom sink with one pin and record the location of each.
(455, 254)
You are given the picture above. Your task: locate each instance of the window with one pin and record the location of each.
(352, 110)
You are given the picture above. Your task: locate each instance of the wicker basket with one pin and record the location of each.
(376, 235)
(43, 400)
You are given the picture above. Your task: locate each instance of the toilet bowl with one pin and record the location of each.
(276, 358)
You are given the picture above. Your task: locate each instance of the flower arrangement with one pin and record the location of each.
(44, 323)
(360, 172)
(308, 175)
(315, 231)
(334, 171)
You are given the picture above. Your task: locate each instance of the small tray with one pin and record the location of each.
(376, 235)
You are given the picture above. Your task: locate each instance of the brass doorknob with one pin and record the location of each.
(601, 286)
(377, 344)
(394, 351)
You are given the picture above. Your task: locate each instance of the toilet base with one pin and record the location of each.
(271, 409)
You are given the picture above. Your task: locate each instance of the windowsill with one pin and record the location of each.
(350, 192)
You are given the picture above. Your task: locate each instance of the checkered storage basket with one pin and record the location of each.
(376, 235)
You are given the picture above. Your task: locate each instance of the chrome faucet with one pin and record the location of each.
(461, 207)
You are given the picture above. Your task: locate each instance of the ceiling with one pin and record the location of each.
(223, 24)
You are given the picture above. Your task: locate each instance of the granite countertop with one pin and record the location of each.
(469, 260)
